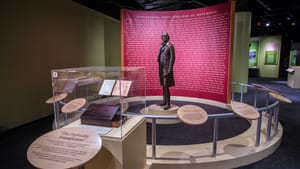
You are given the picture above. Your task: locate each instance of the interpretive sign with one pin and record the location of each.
(201, 38)
(56, 98)
(191, 114)
(73, 105)
(244, 110)
(64, 148)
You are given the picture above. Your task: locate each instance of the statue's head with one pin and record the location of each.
(165, 36)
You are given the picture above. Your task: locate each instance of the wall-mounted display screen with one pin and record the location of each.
(201, 38)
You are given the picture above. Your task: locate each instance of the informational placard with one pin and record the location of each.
(122, 88)
(107, 87)
(192, 115)
(64, 148)
(201, 38)
(271, 58)
(73, 105)
(56, 98)
(244, 110)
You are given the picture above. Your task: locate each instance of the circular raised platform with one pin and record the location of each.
(233, 152)
(191, 114)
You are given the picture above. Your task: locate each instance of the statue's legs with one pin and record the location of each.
(167, 97)
(164, 97)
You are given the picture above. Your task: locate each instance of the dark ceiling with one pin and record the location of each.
(282, 15)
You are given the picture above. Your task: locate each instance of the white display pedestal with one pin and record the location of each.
(127, 152)
(293, 77)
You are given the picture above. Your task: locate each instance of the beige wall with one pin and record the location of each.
(112, 42)
(38, 36)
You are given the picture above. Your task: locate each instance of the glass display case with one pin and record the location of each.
(100, 98)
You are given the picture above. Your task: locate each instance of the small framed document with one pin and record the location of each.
(122, 88)
(107, 87)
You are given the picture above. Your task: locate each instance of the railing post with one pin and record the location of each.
(269, 114)
(56, 115)
(242, 93)
(258, 129)
(276, 117)
(153, 138)
(215, 136)
(269, 127)
(255, 98)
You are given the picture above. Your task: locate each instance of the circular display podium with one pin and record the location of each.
(155, 109)
(69, 147)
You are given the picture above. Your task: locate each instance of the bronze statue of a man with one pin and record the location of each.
(166, 59)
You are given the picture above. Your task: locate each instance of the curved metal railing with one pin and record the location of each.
(270, 109)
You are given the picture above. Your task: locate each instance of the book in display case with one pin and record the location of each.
(100, 98)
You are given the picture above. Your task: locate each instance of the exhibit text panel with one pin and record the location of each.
(201, 38)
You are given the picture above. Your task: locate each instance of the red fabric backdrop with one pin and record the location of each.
(201, 38)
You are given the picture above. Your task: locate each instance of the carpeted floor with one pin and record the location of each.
(288, 154)
(14, 143)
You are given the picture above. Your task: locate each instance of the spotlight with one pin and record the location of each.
(268, 24)
(293, 23)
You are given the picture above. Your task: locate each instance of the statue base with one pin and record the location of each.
(158, 110)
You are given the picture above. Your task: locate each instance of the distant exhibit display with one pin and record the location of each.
(253, 53)
(294, 58)
(271, 58)
(201, 38)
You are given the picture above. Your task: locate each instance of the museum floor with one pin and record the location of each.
(14, 143)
